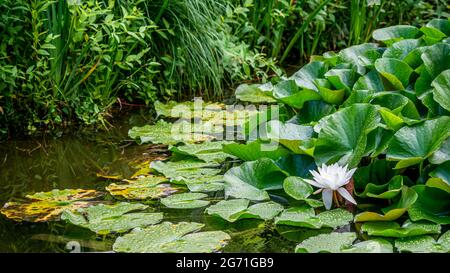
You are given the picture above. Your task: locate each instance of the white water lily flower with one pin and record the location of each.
(330, 179)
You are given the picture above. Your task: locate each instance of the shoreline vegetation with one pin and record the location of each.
(72, 63)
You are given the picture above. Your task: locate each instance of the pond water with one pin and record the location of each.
(73, 161)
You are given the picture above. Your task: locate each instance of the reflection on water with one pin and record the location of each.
(73, 161)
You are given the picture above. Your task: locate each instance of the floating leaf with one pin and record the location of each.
(401, 49)
(383, 191)
(342, 78)
(407, 199)
(48, 206)
(441, 89)
(440, 177)
(289, 93)
(433, 204)
(167, 133)
(187, 110)
(297, 188)
(391, 34)
(104, 219)
(236, 209)
(343, 135)
(255, 93)
(251, 179)
(393, 229)
(370, 246)
(412, 145)
(255, 150)
(424, 244)
(151, 187)
(362, 56)
(185, 169)
(305, 217)
(332, 243)
(396, 72)
(171, 238)
(205, 183)
(185, 201)
(289, 135)
(206, 151)
(305, 76)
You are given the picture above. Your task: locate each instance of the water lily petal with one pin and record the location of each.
(344, 193)
(327, 197)
(314, 183)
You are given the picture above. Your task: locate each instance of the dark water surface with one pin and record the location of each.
(73, 161)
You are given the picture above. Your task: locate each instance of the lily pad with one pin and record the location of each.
(252, 179)
(185, 201)
(441, 86)
(255, 150)
(291, 94)
(185, 169)
(370, 246)
(305, 76)
(297, 188)
(236, 209)
(255, 93)
(205, 184)
(433, 204)
(396, 72)
(424, 244)
(289, 135)
(104, 219)
(412, 145)
(187, 110)
(393, 229)
(206, 151)
(333, 243)
(384, 191)
(343, 135)
(171, 238)
(391, 34)
(305, 217)
(151, 187)
(48, 206)
(407, 199)
(166, 133)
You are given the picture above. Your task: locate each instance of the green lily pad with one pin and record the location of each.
(369, 82)
(384, 191)
(436, 59)
(413, 144)
(297, 188)
(329, 95)
(255, 93)
(391, 34)
(433, 204)
(343, 135)
(166, 133)
(393, 229)
(305, 217)
(255, 150)
(442, 154)
(342, 78)
(396, 72)
(104, 219)
(332, 243)
(401, 49)
(424, 244)
(187, 110)
(205, 184)
(289, 135)
(151, 187)
(440, 177)
(291, 94)
(206, 151)
(370, 246)
(361, 56)
(171, 238)
(185, 169)
(252, 179)
(441, 86)
(407, 199)
(236, 209)
(185, 201)
(305, 76)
